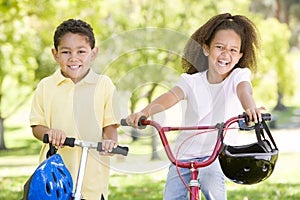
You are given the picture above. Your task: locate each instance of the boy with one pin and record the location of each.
(76, 102)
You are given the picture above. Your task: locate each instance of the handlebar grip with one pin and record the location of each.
(266, 116)
(70, 142)
(123, 122)
(140, 123)
(46, 138)
(119, 150)
(243, 123)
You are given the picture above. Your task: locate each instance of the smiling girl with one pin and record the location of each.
(216, 86)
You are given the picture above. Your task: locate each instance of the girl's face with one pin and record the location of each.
(223, 54)
(74, 55)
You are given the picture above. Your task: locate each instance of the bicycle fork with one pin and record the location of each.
(85, 146)
(194, 185)
(80, 176)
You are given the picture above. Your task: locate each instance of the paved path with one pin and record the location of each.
(287, 140)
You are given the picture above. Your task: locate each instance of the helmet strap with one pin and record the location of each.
(52, 150)
(220, 127)
(259, 131)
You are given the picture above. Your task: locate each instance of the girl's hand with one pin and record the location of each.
(133, 119)
(254, 114)
(108, 146)
(56, 137)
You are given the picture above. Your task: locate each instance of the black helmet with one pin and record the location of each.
(252, 163)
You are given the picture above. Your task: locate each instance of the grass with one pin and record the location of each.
(287, 118)
(138, 187)
(284, 183)
(20, 160)
(149, 187)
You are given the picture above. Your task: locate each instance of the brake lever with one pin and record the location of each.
(243, 123)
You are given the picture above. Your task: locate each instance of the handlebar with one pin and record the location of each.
(71, 142)
(242, 121)
(140, 122)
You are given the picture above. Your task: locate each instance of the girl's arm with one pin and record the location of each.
(244, 92)
(160, 104)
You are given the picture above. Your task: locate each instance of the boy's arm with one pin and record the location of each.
(56, 137)
(110, 138)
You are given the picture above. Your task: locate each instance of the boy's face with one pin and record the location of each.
(74, 56)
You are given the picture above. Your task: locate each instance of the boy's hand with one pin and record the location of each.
(56, 137)
(108, 146)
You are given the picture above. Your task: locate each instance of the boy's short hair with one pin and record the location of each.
(74, 26)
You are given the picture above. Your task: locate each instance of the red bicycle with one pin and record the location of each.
(261, 154)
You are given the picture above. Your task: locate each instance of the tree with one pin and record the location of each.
(286, 11)
(276, 46)
(138, 40)
(17, 64)
(275, 65)
(25, 48)
(148, 48)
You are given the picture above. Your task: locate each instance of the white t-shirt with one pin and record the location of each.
(208, 104)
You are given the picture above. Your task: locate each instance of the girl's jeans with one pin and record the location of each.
(211, 179)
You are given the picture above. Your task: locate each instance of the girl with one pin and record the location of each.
(217, 60)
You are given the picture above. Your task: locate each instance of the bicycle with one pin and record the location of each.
(71, 142)
(268, 155)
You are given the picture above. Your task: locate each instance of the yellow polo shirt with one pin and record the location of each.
(81, 110)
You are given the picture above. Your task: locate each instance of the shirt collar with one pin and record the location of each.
(90, 78)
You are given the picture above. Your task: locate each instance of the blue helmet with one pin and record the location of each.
(51, 180)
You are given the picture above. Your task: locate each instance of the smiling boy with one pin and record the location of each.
(77, 102)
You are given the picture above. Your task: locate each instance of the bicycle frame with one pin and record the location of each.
(194, 186)
(85, 145)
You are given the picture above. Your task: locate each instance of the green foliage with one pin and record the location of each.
(27, 29)
(276, 71)
(19, 50)
(11, 187)
(140, 43)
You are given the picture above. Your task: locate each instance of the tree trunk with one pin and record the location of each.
(2, 143)
(282, 11)
(280, 106)
(155, 155)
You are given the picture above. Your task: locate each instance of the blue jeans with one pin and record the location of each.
(211, 179)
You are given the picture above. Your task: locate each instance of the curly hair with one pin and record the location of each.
(74, 26)
(194, 60)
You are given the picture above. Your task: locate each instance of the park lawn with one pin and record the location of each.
(283, 184)
(20, 160)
